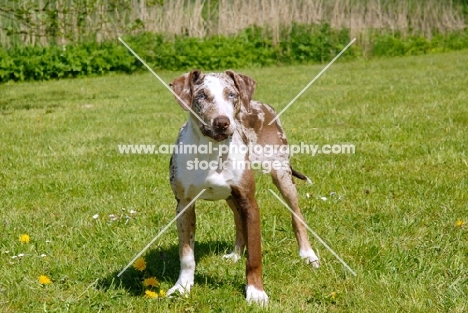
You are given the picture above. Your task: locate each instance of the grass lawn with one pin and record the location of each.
(391, 209)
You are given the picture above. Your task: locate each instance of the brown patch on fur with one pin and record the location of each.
(186, 228)
(245, 85)
(266, 134)
(183, 87)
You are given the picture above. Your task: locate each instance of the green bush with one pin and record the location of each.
(312, 44)
(396, 45)
(253, 47)
(44, 63)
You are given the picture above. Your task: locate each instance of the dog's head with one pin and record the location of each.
(216, 98)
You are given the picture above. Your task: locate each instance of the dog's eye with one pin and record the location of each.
(231, 95)
(201, 96)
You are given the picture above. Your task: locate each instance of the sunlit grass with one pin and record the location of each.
(395, 209)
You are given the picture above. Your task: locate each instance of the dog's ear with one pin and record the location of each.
(182, 86)
(246, 86)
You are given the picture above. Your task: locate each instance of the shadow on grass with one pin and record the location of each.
(164, 264)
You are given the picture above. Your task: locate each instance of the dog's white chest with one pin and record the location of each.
(206, 169)
(217, 185)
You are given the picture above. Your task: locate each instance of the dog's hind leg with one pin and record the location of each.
(239, 245)
(283, 181)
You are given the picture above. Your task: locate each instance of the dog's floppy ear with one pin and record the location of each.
(182, 86)
(246, 86)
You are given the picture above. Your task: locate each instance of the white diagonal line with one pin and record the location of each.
(312, 81)
(314, 233)
(160, 233)
(160, 79)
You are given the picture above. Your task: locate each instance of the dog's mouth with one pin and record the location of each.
(218, 136)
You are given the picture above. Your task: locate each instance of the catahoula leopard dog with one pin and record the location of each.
(231, 119)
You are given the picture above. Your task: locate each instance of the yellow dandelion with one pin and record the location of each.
(44, 280)
(162, 293)
(150, 294)
(151, 282)
(333, 295)
(24, 238)
(140, 264)
(460, 223)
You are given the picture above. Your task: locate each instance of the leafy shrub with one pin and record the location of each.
(253, 47)
(397, 45)
(312, 44)
(44, 63)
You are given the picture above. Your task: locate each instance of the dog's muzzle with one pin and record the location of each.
(219, 130)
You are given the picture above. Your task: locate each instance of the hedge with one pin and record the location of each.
(301, 44)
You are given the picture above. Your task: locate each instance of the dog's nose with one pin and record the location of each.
(221, 123)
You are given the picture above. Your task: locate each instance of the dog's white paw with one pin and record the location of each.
(186, 276)
(253, 295)
(182, 288)
(233, 256)
(310, 257)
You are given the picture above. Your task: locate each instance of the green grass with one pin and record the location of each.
(402, 193)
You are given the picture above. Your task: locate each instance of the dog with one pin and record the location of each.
(223, 114)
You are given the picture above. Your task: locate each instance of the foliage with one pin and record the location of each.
(306, 43)
(253, 47)
(398, 45)
(44, 63)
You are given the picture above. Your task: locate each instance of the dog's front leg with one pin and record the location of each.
(186, 230)
(239, 244)
(248, 210)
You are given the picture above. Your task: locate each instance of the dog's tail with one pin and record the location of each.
(300, 175)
